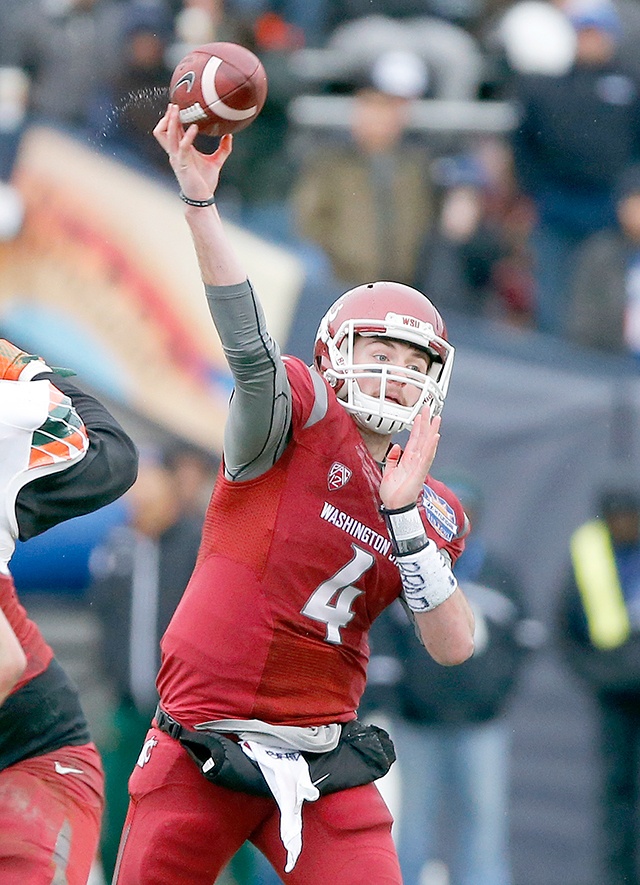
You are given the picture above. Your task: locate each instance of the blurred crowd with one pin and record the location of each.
(504, 217)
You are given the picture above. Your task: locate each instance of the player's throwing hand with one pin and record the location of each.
(197, 173)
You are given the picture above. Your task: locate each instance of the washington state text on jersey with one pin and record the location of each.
(356, 529)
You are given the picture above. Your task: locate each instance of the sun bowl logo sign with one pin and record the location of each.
(440, 514)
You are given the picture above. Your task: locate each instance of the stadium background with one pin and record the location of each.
(102, 279)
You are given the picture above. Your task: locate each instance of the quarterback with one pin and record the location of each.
(317, 522)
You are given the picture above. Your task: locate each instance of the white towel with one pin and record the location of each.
(287, 774)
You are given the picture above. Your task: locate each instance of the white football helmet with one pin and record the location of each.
(385, 310)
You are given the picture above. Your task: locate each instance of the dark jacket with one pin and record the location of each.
(599, 295)
(112, 598)
(404, 680)
(609, 673)
(576, 134)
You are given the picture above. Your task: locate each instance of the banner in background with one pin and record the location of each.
(103, 279)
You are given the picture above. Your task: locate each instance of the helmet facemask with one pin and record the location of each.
(377, 413)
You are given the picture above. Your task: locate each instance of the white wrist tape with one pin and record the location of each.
(427, 580)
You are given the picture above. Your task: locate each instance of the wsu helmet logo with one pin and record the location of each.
(339, 476)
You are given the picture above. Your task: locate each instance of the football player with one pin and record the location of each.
(317, 522)
(61, 455)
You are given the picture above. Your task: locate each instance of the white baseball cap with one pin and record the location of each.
(401, 73)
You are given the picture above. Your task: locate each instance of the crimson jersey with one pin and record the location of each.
(293, 568)
(42, 712)
(37, 651)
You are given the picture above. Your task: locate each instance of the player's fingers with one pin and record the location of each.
(180, 158)
(219, 157)
(393, 456)
(430, 428)
(186, 141)
(226, 145)
(430, 446)
(434, 425)
(416, 436)
(161, 126)
(423, 439)
(160, 129)
(174, 130)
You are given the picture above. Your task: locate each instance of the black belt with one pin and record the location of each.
(219, 759)
(364, 753)
(169, 725)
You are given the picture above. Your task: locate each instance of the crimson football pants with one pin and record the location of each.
(183, 830)
(50, 812)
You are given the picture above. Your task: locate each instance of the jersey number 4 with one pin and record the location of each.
(330, 603)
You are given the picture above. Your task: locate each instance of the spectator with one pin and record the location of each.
(194, 472)
(70, 51)
(599, 635)
(196, 22)
(475, 259)
(262, 166)
(139, 574)
(605, 306)
(308, 17)
(450, 726)
(451, 55)
(457, 257)
(369, 202)
(135, 99)
(527, 37)
(578, 130)
(629, 14)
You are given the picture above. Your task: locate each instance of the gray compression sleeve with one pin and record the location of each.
(259, 418)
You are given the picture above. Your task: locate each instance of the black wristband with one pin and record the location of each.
(406, 529)
(199, 203)
(392, 511)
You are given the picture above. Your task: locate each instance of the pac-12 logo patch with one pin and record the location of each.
(339, 476)
(440, 514)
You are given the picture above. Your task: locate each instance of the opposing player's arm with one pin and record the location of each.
(442, 614)
(108, 468)
(13, 660)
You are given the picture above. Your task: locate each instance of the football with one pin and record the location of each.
(221, 87)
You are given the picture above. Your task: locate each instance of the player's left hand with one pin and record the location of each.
(405, 472)
(197, 173)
